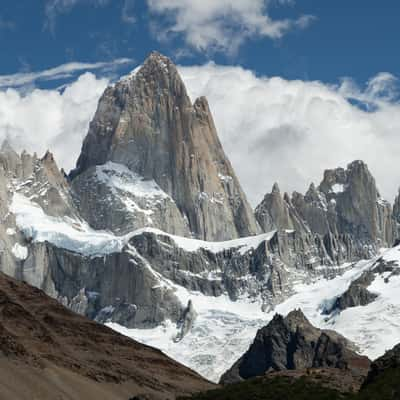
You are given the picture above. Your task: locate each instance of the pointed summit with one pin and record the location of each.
(275, 188)
(149, 125)
(293, 343)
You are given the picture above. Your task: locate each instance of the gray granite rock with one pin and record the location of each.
(292, 343)
(147, 123)
(345, 214)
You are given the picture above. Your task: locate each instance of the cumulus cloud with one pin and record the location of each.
(51, 119)
(60, 72)
(221, 25)
(290, 131)
(272, 129)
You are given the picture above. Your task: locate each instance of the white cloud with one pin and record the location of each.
(272, 129)
(60, 72)
(50, 119)
(221, 25)
(379, 90)
(290, 131)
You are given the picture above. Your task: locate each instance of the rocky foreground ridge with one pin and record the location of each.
(48, 352)
(382, 383)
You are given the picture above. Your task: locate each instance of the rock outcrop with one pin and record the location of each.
(292, 343)
(49, 352)
(396, 213)
(147, 123)
(387, 364)
(345, 212)
(276, 212)
(356, 295)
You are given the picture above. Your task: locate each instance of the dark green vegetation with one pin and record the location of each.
(280, 388)
(386, 386)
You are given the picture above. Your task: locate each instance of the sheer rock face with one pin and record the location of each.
(292, 343)
(147, 123)
(346, 212)
(277, 212)
(359, 209)
(396, 214)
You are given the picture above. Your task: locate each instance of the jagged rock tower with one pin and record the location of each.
(147, 123)
(345, 214)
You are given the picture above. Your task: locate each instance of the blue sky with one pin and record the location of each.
(344, 37)
(295, 86)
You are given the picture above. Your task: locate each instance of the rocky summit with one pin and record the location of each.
(345, 214)
(292, 343)
(147, 126)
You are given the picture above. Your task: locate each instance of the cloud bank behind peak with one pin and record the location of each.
(271, 128)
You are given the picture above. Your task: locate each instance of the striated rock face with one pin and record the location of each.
(118, 287)
(359, 209)
(277, 212)
(135, 287)
(292, 343)
(396, 213)
(147, 123)
(345, 212)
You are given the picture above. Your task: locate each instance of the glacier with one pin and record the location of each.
(224, 329)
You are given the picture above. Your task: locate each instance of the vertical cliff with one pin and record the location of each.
(147, 123)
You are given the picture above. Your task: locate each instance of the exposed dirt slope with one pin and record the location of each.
(48, 352)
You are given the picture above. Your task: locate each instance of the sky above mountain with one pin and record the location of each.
(295, 86)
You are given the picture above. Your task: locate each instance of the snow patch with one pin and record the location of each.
(20, 252)
(119, 177)
(337, 188)
(77, 236)
(66, 233)
(11, 231)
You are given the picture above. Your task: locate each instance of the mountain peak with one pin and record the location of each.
(275, 188)
(156, 63)
(157, 58)
(357, 164)
(149, 125)
(293, 343)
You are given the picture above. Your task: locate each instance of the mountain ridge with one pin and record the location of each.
(148, 123)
